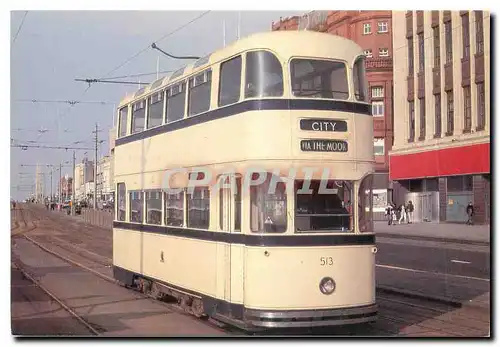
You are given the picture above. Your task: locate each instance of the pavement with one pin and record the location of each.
(445, 232)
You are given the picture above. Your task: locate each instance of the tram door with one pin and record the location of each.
(229, 223)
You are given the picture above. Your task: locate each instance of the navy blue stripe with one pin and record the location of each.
(253, 240)
(253, 105)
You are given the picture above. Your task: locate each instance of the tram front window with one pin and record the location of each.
(323, 207)
(319, 79)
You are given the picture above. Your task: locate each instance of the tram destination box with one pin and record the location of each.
(315, 124)
(323, 145)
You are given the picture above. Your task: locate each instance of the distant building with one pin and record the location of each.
(66, 187)
(104, 179)
(441, 152)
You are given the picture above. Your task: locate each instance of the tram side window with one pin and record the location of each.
(121, 202)
(264, 75)
(155, 110)
(237, 204)
(230, 81)
(122, 125)
(174, 209)
(268, 211)
(136, 207)
(200, 87)
(176, 102)
(319, 79)
(198, 208)
(365, 205)
(153, 207)
(360, 83)
(138, 116)
(323, 206)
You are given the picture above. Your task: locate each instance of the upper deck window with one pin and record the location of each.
(123, 120)
(319, 79)
(176, 101)
(155, 110)
(359, 77)
(199, 93)
(138, 116)
(230, 81)
(264, 75)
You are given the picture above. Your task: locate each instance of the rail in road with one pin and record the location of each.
(87, 250)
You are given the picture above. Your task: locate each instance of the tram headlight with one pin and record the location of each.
(327, 285)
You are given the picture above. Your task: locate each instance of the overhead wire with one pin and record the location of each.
(20, 26)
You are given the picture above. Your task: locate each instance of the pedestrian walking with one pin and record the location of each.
(402, 213)
(470, 213)
(389, 213)
(410, 212)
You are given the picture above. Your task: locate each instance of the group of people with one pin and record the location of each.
(405, 213)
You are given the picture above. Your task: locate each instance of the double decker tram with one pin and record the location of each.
(244, 185)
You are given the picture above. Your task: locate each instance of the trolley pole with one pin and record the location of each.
(73, 187)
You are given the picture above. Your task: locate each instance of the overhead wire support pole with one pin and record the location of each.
(73, 187)
(187, 57)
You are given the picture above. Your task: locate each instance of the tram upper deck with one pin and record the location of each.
(274, 100)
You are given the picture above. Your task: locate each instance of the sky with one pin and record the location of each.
(53, 48)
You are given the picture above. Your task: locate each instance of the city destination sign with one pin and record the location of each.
(323, 145)
(323, 125)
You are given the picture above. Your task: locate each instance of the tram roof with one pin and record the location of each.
(284, 43)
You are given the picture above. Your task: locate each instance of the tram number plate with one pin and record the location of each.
(323, 146)
(324, 261)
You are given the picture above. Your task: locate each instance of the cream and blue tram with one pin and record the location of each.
(243, 184)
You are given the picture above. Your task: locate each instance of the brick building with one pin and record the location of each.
(441, 152)
(372, 30)
(66, 187)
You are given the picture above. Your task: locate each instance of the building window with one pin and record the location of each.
(268, 212)
(176, 102)
(263, 75)
(383, 27)
(153, 207)
(378, 146)
(383, 52)
(467, 110)
(121, 201)
(174, 209)
(479, 32)
(411, 115)
(410, 56)
(437, 111)
(448, 42)
(465, 36)
(367, 28)
(437, 48)
(155, 110)
(378, 108)
(377, 92)
(422, 118)
(449, 116)
(198, 208)
(199, 93)
(230, 81)
(421, 55)
(481, 115)
(138, 116)
(123, 120)
(368, 53)
(136, 207)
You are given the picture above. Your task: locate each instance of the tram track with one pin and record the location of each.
(395, 309)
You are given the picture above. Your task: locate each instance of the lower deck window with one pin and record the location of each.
(174, 209)
(322, 207)
(153, 207)
(198, 207)
(136, 207)
(268, 206)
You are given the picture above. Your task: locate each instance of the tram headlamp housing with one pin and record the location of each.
(327, 285)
